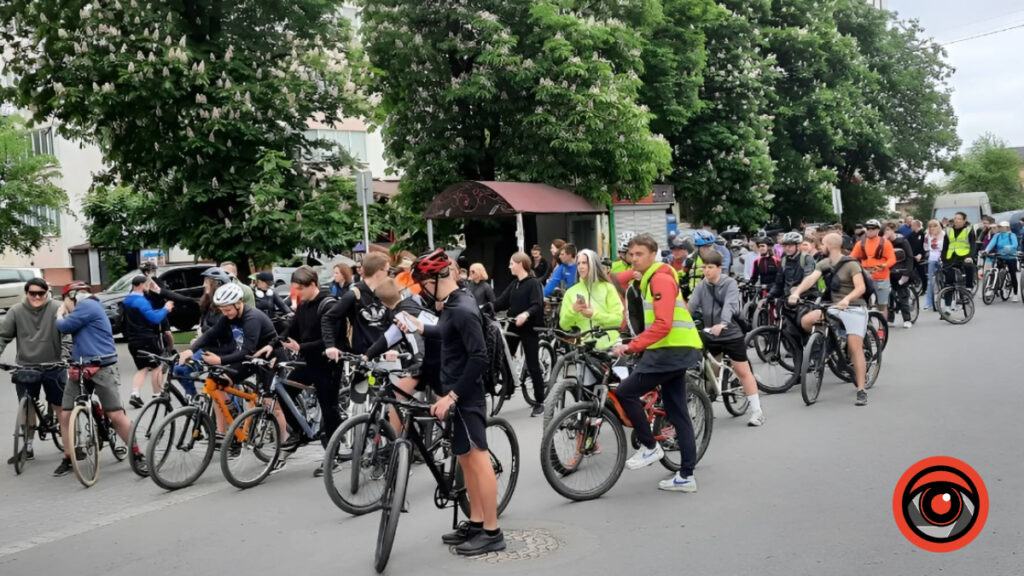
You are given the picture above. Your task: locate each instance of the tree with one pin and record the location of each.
(27, 191)
(200, 106)
(990, 167)
(115, 222)
(539, 91)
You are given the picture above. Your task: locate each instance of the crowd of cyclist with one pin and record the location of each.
(666, 308)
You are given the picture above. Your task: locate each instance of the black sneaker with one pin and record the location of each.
(462, 533)
(482, 543)
(135, 401)
(538, 410)
(80, 454)
(293, 442)
(141, 464)
(64, 469)
(862, 398)
(30, 454)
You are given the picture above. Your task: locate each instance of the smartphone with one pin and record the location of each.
(581, 299)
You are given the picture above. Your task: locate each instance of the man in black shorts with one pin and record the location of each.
(463, 361)
(144, 332)
(717, 298)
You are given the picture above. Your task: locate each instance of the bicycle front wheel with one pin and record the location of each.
(988, 294)
(773, 360)
(956, 304)
(546, 356)
(813, 368)
(21, 432)
(391, 507)
(872, 357)
(735, 399)
(563, 393)
(503, 450)
(181, 448)
(142, 430)
(85, 446)
(703, 419)
(370, 466)
(880, 323)
(583, 451)
(251, 448)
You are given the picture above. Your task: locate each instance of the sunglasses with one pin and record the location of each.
(37, 294)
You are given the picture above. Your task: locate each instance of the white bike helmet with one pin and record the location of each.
(792, 238)
(227, 295)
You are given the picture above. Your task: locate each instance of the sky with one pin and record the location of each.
(988, 87)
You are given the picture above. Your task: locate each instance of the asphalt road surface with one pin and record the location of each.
(809, 493)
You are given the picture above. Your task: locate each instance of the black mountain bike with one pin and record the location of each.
(154, 412)
(34, 417)
(827, 347)
(954, 301)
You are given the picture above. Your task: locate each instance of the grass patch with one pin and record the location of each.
(184, 337)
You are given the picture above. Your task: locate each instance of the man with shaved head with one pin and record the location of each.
(846, 284)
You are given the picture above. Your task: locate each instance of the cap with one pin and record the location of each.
(405, 264)
(1004, 224)
(265, 276)
(138, 279)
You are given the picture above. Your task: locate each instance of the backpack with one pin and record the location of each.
(833, 281)
(498, 375)
(878, 252)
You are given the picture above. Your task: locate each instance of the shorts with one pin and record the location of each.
(883, 288)
(854, 319)
(735, 349)
(107, 386)
(469, 428)
(51, 381)
(141, 361)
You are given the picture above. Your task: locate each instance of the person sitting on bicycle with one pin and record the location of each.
(717, 299)
(92, 340)
(794, 267)
(463, 361)
(525, 304)
(1004, 245)
(593, 302)
(958, 248)
(846, 286)
(766, 267)
(670, 345)
(901, 273)
(39, 342)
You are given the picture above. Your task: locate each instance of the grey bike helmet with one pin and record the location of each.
(792, 238)
(219, 274)
(227, 295)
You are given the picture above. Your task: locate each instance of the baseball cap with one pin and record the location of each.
(265, 276)
(138, 279)
(1004, 224)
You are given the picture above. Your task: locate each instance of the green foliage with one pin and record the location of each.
(115, 222)
(990, 167)
(199, 106)
(26, 189)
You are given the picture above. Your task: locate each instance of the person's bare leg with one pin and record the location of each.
(407, 385)
(121, 423)
(65, 432)
(483, 488)
(138, 380)
(855, 346)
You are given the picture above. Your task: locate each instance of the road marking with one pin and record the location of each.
(83, 527)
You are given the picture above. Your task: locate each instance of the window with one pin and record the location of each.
(10, 276)
(44, 217)
(194, 277)
(42, 141)
(353, 142)
(174, 279)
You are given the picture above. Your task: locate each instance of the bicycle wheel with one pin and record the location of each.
(773, 361)
(504, 386)
(699, 406)
(1003, 281)
(583, 451)
(53, 427)
(394, 499)
(503, 449)
(153, 413)
(546, 355)
(872, 357)
(881, 324)
(118, 447)
(813, 368)
(85, 444)
(364, 495)
(915, 305)
(181, 448)
(21, 433)
(251, 448)
(563, 393)
(960, 306)
(735, 399)
(988, 295)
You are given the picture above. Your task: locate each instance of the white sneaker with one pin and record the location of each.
(679, 484)
(908, 324)
(1015, 298)
(756, 418)
(645, 457)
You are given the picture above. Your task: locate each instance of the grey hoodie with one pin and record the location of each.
(39, 341)
(718, 304)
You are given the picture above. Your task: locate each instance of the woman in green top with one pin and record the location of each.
(593, 302)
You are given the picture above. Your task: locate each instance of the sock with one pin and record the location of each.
(479, 525)
(136, 451)
(755, 401)
(494, 532)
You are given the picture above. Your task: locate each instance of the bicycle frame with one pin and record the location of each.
(211, 389)
(281, 393)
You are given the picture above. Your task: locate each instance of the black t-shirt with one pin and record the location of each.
(463, 348)
(367, 315)
(251, 329)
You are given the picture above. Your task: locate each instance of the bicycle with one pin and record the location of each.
(570, 443)
(712, 373)
(996, 281)
(184, 442)
(826, 346)
(257, 432)
(32, 419)
(779, 348)
(155, 411)
(906, 290)
(90, 425)
(954, 302)
(517, 363)
(451, 489)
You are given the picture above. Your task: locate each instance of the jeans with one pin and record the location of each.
(529, 339)
(929, 294)
(673, 395)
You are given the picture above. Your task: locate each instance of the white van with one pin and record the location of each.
(974, 204)
(12, 284)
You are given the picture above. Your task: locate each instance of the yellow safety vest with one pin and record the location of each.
(696, 273)
(958, 246)
(684, 332)
(620, 266)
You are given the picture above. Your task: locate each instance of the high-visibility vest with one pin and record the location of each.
(958, 246)
(684, 332)
(696, 272)
(620, 266)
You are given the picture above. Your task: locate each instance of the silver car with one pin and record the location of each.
(12, 284)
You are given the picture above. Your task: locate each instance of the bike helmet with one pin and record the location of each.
(227, 295)
(73, 287)
(219, 274)
(792, 238)
(703, 238)
(737, 243)
(623, 247)
(873, 224)
(765, 241)
(433, 264)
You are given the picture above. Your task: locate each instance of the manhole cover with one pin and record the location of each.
(521, 545)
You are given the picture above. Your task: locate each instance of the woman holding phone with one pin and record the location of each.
(524, 300)
(592, 302)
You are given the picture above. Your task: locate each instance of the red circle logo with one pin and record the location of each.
(940, 504)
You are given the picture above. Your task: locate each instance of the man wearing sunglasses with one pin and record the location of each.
(39, 342)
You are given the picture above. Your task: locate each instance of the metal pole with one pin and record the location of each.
(366, 229)
(520, 232)
(430, 234)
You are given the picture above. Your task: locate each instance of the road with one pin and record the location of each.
(809, 493)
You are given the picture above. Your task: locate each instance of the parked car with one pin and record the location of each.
(12, 284)
(185, 280)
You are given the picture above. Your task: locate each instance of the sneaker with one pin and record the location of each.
(678, 484)
(645, 457)
(538, 410)
(1015, 298)
(926, 308)
(462, 533)
(293, 443)
(277, 466)
(862, 398)
(756, 419)
(80, 454)
(319, 472)
(141, 464)
(135, 401)
(64, 469)
(482, 543)
(908, 324)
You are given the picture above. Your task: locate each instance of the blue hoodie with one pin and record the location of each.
(1003, 245)
(564, 273)
(90, 328)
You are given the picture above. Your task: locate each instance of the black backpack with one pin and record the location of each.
(833, 281)
(498, 375)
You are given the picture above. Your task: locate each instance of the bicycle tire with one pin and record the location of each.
(735, 398)
(702, 418)
(582, 417)
(1005, 288)
(988, 294)
(665, 434)
(21, 427)
(503, 389)
(915, 306)
(176, 432)
(546, 356)
(563, 393)
(963, 298)
(770, 346)
(811, 373)
(881, 325)
(118, 447)
(504, 458)
(391, 509)
(257, 431)
(54, 429)
(340, 492)
(873, 353)
(83, 436)
(154, 412)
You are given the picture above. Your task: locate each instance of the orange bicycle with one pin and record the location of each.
(182, 446)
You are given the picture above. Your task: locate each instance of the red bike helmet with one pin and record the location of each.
(431, 265)
(74, 286)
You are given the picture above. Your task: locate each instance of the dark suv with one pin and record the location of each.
(185, 280)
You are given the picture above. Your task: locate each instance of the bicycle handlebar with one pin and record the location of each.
(38, 367)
